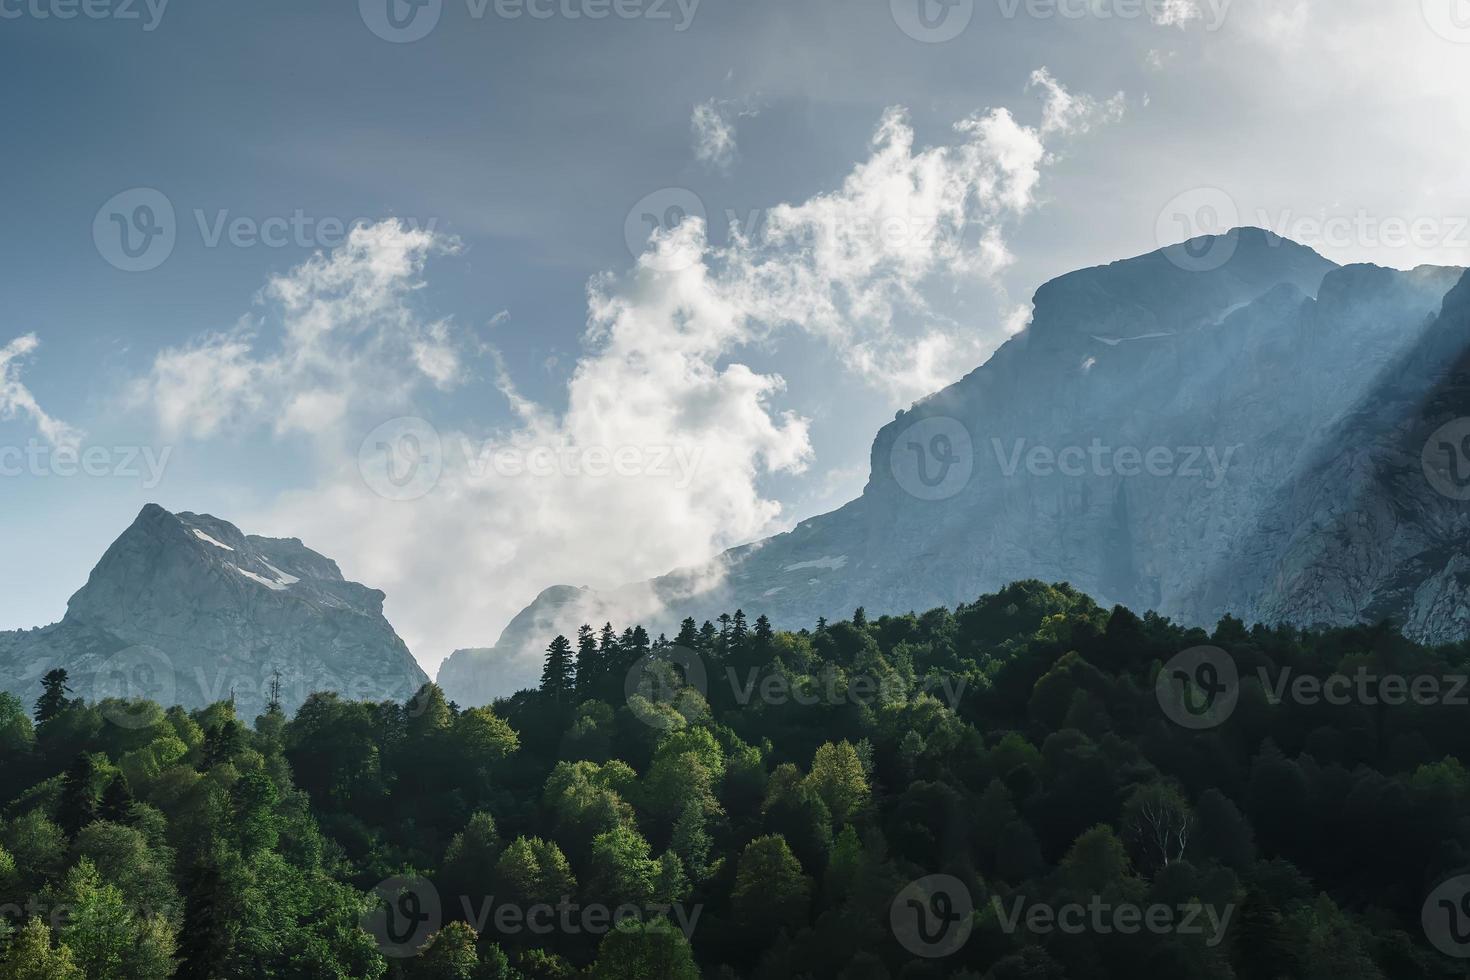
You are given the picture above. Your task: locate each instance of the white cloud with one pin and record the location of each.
(1066, 113)
(661, 380)
(16, 399)
(714, 135)
(1176, 13)
(1018, 319)
(712, 127)
(346, 335)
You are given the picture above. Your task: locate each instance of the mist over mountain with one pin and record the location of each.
(185, 608)
(1231, 425)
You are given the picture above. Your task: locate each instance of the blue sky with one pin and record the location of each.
(521, 145)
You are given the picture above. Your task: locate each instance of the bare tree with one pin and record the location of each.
(1157, 822)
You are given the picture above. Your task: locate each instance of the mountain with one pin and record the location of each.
(184, 608)
(1231, 425)
(478, 675)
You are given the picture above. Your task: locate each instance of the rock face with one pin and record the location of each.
(1235, 425)
(478, 675)
(184, 608)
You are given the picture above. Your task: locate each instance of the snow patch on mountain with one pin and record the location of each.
(204, 537)
(828, 563)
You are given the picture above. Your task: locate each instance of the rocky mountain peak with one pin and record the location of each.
(1231, 425)
(208, 610)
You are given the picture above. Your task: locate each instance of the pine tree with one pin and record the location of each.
(586, 671)
(557, 676)
(117, 801)
(738, 631)
(77, 806)
(222, 742)
(860, 618)
(52, 701)
(707, 637)
(205, 940)
(609, 654)
(688, 634)
(763, 632)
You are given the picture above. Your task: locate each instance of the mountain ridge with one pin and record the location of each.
(1248, 351)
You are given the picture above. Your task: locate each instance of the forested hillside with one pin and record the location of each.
(1028, 786)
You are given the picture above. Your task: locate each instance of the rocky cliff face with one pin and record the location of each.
(1244, 436)
(184, 608)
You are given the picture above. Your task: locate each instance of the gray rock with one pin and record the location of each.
(184, 608)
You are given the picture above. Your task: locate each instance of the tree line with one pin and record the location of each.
(756, 836)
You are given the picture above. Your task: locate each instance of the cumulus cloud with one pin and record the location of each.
(654, 463)
(345, 333)
(16, 399)
(661, 455)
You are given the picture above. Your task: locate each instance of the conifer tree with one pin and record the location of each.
(77, 806)
(52, 701)
(688, 634)
(557, 676)
(205, 939)
(707, 637)
(117, 800)
(586, 671)
(738, 630)
(635, 645)
(222, 742)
